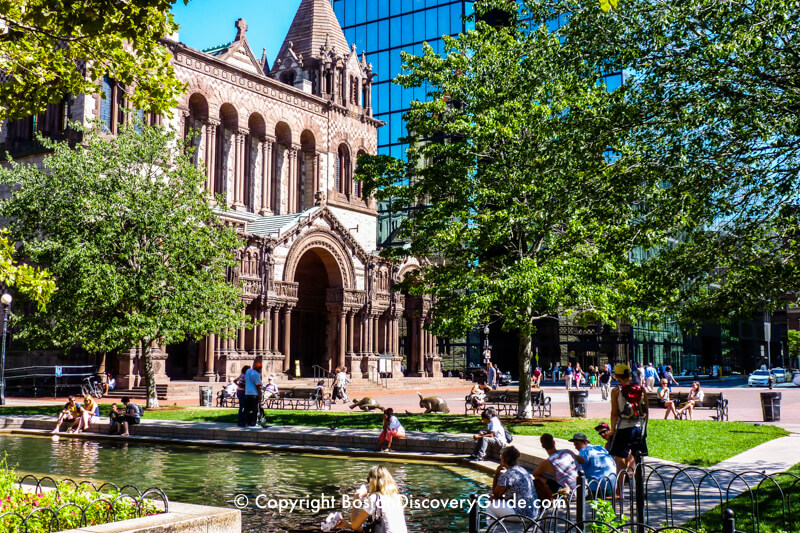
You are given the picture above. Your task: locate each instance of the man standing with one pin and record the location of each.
(568, 375)
(650, 376)
(559, 471)
(628, 418)
(494, 435)
(599, 467)
(252, 393)
(605, 383)
(491, 375)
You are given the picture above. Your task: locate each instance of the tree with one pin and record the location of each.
(712, 111)
(51, 49)
(793, 345)
(38, 285)
(509, 186)
(126, 229)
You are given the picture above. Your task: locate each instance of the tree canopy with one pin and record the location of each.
(49, 49)
(128, 232)
(36, 284)
(509, 188)
(535, 191)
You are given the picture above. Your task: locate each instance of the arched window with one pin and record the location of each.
(344, 175)
(288, 77)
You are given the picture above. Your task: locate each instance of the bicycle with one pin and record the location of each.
(91, 387)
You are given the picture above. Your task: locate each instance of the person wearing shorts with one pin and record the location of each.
(628, 433)
(132, 415)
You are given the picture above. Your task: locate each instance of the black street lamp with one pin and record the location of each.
(6, 301)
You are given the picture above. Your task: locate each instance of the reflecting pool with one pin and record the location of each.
(213, 476)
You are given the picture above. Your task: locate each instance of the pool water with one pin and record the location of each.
(213, 476)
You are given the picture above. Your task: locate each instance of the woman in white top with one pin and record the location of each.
(695, 398)
(383, 503)
(664, 401)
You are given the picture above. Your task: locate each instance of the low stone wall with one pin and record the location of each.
(340, 441)
(181, 518)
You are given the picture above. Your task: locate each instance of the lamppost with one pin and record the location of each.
(6, 301)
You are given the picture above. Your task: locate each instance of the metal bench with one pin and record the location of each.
(303, 398)
(506, 402)
(711, 400)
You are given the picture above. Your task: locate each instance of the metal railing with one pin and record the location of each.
(43, 380)
(664, 498)
(324, 374)
(104, 504)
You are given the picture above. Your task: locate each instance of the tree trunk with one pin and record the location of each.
(525, 357)
(150, 375)
(101, 366)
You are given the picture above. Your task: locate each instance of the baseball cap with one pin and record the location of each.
(621, 369)
(602, 426)
(579, 437)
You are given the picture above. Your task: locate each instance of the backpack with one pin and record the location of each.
(509, 438)
(633, 393)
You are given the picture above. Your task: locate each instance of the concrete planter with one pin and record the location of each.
(181, 518)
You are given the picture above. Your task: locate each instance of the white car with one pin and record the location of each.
(780, 374)
(760, 378)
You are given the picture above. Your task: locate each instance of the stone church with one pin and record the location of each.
(279, 146)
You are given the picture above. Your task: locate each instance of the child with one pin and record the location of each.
(117, 418)
(320, 395)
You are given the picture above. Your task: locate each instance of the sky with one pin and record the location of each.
(207, 23)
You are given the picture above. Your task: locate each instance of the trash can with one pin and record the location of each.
(578, 400)
(771, 406)
(206, 396)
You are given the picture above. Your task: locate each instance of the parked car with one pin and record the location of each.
(780, 375)
(504, 378)
(760, 378)
(475, 373)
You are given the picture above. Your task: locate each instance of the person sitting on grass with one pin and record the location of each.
(116, 418)
(392, 429)
(90, 413)
(695, 398)
(512, 488)
(494, 435)
(132, 415)
(70, 413)
(320, 395)
(558, 473)
(595, 461)
(664, 401)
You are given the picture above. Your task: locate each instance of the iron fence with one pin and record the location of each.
(663, 498)
(38, 381)
(104, 501)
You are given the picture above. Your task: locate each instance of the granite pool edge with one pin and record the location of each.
(417, 446)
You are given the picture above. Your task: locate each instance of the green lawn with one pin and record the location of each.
(673, 440)
(769, 502)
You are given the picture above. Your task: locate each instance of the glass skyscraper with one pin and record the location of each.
(384, 28)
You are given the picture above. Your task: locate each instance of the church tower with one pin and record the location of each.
(316, 59)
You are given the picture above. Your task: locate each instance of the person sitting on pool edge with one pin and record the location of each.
(494, 435)
(70, 412)
(392, 429)
(595, 461)
(132, 415)
(558, 472)
(512, 488)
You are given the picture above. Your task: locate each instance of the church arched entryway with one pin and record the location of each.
(313, 327)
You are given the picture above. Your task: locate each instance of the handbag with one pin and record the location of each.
(374, 524)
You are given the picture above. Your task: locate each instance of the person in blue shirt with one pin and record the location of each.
(650, 377)
(595, 461)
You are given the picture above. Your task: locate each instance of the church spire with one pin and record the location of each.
(314, 25)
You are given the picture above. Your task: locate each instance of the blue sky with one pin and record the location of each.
(207, 23)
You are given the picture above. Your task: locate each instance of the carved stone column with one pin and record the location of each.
(267, 148)
(275, 328)
(420, 347)
(350, 316)
(211, 342)
(342, 337)
(211, 156)
(237, 142)
(291, 180)
(375, 334)
(315, 173)
(242, 332)
(287, 337)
